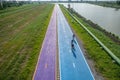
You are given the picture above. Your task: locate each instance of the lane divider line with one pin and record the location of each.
(74, 65)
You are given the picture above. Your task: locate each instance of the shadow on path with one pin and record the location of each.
(74, 41)
(73, 51)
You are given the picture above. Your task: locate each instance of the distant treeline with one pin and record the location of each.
(108, 2)
(5, 4)
(113, 4)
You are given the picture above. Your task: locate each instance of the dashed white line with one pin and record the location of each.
(74, 65)
(70, 50)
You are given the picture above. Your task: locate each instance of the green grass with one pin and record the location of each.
(15, 8)
(113, 46)
(21, 36)
(103, 62)
(12, 10)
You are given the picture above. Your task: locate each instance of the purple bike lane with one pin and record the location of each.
(46, 65)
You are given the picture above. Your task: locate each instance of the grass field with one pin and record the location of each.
(103, 62)
(22, 30)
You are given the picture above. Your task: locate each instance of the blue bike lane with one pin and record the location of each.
(72, 63)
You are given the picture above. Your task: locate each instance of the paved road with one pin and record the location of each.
(45, 69)
(72, 63)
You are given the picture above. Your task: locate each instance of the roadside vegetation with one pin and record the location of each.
(22, 30)
(109, 39)
(6, 4)
(104, 64)
(112, 4)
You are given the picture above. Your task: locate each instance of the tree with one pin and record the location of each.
(1, 4)
(118, 2)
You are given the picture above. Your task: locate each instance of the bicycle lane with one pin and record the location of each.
(45, 68)
(72, 64)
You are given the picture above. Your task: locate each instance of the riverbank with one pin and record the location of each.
(106, 18)
(112, 4)
(107, 38)
(22, 30)
(112, 36)
(102, 61)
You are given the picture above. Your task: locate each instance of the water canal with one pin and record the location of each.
(107, 18)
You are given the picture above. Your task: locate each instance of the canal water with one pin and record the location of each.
(107, 18)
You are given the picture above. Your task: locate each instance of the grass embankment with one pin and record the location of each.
(113, 45)
(21, 34)
(103, 62)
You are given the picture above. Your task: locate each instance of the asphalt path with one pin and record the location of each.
(45, 69)
(72, 63)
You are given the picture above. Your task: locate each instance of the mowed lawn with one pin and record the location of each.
(22, 30)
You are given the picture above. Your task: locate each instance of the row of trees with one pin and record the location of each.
(5, 4)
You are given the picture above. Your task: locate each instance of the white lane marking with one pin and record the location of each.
(74, 65)
(70, 50)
